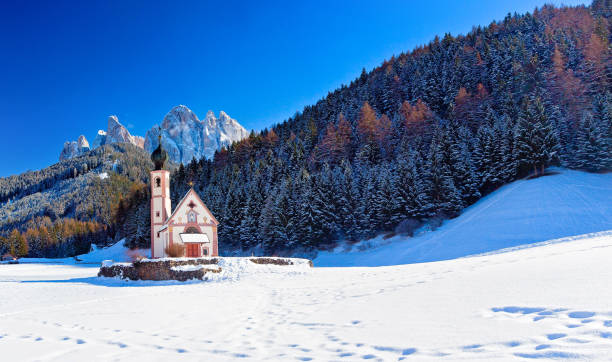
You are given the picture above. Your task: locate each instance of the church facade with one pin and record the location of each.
(191, 224)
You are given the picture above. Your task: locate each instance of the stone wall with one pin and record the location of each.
(275, 261)
(169, 268)
(160, 270)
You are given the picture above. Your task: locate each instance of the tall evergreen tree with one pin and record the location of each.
(536, 142)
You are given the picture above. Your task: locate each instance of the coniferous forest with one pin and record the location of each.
(412, 142)
(422, 136)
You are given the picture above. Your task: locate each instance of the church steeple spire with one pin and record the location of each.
(159, 156)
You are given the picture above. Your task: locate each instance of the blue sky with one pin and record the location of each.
(67, 65)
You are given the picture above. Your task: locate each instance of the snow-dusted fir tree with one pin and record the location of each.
(325, 203)
(365, 210)
(441, 186)
(592, 151)
(536, 145)
(463, 170)
(250, 213)
(383, 200)
(348, 201)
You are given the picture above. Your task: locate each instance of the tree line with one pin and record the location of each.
(49, 239)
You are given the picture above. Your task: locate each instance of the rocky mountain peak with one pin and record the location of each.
(178, 115)
(115, 133)
(210, 114)
(185, 137)
(82, 142)
(74, 148)
(223, 115)
(99, 140)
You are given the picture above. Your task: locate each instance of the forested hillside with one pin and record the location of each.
(422, 136)
(60, 210)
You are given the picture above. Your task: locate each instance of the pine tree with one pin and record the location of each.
(367, 127)
(249, 223)
(462, 168)
(410, 199)
(232, 215)
(442, 189)
(17, 244)
(276, 219)
(308, 231)
(325, 203)
(536, 142)
(366, 227)
(483, 156)
(383, 200)
(602, 117)
(344, 138)
(592, 146)
(266, 222)
(348, 201)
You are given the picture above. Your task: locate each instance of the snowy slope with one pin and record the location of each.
(569, 203)
(552, 301)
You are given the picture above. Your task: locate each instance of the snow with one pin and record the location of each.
(550, 301)
(116, 252)
(193, 267)
(568, 203)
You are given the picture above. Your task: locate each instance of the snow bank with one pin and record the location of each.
(116, 252)
(194, 267)
(551, 207)
(234, 269)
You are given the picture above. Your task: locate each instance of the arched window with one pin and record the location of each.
(157, 182)
(205, 251)
(191, 217)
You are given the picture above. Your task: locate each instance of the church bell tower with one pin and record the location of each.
(160, 201)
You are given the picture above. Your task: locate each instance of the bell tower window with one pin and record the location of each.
(157, 182)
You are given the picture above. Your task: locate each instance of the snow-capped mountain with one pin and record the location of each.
(99, 140)
(184, 136)
(74, 148)
(115, 133)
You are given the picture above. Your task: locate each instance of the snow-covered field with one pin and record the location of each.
(527, 211)
(548, 301)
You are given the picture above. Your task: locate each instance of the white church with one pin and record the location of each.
(191, 224)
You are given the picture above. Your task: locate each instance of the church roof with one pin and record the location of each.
(194, 238)
(191, 191)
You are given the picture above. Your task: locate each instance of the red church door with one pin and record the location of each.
(193, 250)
